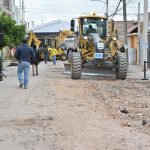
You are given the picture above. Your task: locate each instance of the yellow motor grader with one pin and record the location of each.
(99, 50)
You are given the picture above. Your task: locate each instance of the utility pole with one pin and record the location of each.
(107, 9)
(144, 35)
(139, 35)
(20, 10)
(125, 27)
(23, 12)
(32, 24)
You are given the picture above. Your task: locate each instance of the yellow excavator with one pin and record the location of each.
(63, 42)
(99, 50)
(32, 39)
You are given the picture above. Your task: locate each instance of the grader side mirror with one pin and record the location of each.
(72, 25)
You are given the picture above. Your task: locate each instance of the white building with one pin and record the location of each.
(9, 7)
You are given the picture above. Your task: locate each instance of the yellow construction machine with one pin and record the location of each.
(62, 42)
(33, 40)
(99, 50)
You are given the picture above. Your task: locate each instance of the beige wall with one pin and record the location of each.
(5, 52)
(133, 48)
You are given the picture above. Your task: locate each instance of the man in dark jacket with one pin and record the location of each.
(24, 54)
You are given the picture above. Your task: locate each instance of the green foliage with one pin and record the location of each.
(13, 34)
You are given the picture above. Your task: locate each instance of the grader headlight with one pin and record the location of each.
(85, 37)
(114, 38)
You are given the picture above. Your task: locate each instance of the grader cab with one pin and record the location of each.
(98, 48)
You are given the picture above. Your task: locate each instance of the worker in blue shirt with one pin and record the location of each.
(24, 54)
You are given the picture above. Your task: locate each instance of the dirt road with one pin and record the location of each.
(57, 113)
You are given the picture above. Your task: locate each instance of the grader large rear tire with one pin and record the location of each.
(76, 66)
(122, 66)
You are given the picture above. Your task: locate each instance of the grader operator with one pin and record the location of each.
(96, 49)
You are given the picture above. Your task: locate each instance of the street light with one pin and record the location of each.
(106, 5)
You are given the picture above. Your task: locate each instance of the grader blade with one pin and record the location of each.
(92, 70)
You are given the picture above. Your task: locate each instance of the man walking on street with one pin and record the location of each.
(24, 54)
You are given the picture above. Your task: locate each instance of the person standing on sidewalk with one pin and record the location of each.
(35, 61)
(24, 54)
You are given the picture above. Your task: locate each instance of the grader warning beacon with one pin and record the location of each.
(99, 50)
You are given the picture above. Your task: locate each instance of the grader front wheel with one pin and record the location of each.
(122, 66)
(76, 66)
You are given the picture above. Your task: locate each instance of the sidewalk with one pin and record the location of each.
(135, 71)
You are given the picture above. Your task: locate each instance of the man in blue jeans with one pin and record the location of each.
(24, 54)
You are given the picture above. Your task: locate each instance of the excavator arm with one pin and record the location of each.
(34, 39)
(63, 34)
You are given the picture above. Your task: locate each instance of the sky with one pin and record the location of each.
(43, 11)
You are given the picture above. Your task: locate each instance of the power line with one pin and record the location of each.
(116, 9)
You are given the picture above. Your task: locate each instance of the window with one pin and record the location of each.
(98, 25)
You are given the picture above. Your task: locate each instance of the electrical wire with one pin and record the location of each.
(116, 9)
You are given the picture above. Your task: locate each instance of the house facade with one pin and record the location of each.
(6, 6)
(48, 31)
(134, 46)
(9, 7)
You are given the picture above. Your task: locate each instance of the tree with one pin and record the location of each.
(13, 34)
